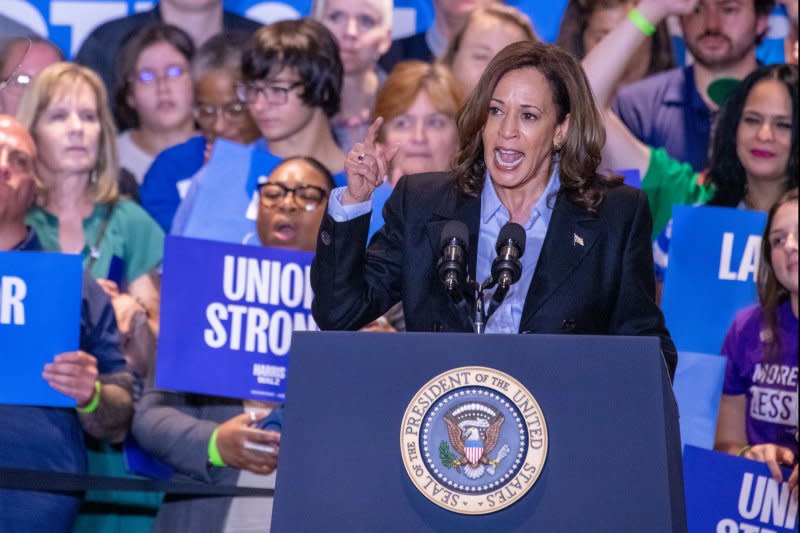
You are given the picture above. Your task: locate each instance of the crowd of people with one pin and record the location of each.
(379, 140)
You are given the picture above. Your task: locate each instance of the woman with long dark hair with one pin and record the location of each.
(752, 158)
(530, 143)
(758, 411)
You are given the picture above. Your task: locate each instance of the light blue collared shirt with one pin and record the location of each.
(494, 216)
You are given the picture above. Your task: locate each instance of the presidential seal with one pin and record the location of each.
(473, 440)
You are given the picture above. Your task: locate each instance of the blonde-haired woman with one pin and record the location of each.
(363, 31)
(79, 209)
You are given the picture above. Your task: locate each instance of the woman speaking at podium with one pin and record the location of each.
(530, 141)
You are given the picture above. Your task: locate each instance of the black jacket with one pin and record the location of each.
(601, 282)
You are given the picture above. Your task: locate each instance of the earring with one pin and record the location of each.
(93, 176)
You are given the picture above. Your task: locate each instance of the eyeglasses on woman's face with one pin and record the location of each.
(207, 113)
(306, 197)
(148, 76)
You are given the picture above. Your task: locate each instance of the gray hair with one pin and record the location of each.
(223, 52)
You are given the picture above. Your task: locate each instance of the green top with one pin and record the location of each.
(668, 182)
(131, 235)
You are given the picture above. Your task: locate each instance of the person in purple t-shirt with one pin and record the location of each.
(758, 411)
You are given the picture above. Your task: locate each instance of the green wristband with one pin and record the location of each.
(644, 25)
(213, 453)
(92, 406)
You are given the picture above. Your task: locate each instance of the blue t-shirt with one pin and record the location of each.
(50, 438)
(666, 111)
(159, 192)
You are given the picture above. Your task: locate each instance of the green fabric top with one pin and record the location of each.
(670, 182)
(131, 235)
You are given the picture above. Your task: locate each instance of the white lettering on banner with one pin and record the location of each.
(776, 406)
(269, 374)
(12, 291)
(262, 332)
(266, 282)
(250, 327)
(730, 526)
(748, 264)
(774, 504)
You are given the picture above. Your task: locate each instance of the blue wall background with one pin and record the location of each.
(68, 22)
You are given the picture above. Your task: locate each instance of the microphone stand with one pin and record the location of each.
(478, 316)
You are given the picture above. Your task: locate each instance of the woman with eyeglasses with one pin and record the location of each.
(219, 113)
(154, 98)
(206, 438)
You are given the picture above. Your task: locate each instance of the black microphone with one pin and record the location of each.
(452, 266)
(506, 268)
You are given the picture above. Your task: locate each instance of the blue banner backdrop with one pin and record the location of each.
(227, 316)
(40, 306)
(68, 22)
(713, 259)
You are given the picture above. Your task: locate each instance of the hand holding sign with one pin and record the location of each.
(73, 374)
(367, 166)
(232, 439)
(774, 456)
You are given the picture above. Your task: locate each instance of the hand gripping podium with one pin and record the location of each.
(463, 432)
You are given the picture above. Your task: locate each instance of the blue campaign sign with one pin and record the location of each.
(40, 306)
(729, 494)
(227, 316)
(698, 388)
(713, 260)
(223, 205)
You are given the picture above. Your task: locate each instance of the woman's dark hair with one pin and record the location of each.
(304, 45)
(579, 155)
(129, 54)
(576, 19)
(329, 182)
(725, 169)
(770, 292)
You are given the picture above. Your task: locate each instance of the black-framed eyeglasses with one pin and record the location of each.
(206, 113)
(306, 197)
(18, 160)
(148, 76)
(274, 94)
(18, 80)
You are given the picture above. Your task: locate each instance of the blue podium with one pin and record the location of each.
(463, 432)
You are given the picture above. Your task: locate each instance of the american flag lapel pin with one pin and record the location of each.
(577, 240)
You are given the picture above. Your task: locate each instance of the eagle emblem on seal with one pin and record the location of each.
(473, 430)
